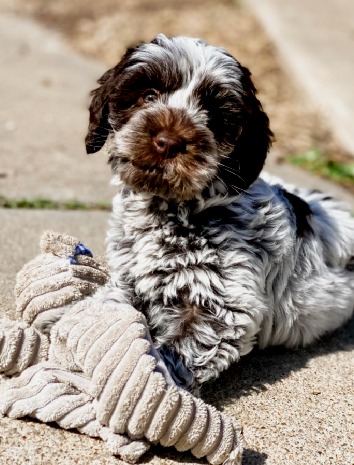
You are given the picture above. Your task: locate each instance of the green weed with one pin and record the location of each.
(317, 163)
(48, 204)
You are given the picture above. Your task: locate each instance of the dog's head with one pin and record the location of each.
(182, 114)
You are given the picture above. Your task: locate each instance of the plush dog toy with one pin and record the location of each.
(91, 365)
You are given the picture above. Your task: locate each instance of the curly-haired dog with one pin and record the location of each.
(216, 257)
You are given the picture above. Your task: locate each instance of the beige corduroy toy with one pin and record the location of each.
(90, 365)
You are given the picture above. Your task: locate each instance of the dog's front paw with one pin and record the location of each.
(226, 355)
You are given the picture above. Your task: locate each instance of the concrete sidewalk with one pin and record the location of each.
(316, 41)
(44, 96)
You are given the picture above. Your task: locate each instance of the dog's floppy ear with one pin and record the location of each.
(253, 142)
(99, 126)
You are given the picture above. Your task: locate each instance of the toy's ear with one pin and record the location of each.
(99, 126)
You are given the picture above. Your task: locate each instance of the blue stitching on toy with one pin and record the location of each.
(80, 249)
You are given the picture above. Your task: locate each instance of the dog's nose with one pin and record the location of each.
(168, 145)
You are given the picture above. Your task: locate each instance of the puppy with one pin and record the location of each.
(218, 258)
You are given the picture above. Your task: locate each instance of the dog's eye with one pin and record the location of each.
(149, 96)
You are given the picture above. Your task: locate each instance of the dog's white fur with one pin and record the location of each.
(277, 289)
(224, 270)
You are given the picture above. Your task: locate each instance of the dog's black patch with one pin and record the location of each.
(237, 120)
(350, 265)
(215, 217)
(302, 212)
(223, 106)
(324, 196)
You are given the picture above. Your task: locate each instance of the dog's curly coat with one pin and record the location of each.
(217, 258)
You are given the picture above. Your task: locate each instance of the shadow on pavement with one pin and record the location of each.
(250, 457)
(265, 367)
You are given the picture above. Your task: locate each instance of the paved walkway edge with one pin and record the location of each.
(316, 41)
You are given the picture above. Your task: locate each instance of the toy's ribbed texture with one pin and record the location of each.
(100, 376)
(49, 393)
(20, 346)
(108, 345)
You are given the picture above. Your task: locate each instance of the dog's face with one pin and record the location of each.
(182, 114)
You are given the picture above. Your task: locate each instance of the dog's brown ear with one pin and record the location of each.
(256, 137)
(99, 126)
(244, 165)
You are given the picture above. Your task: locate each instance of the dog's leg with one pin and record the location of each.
(325, 303)
(225, 355)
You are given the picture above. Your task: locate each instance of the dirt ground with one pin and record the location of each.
(103, 29)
